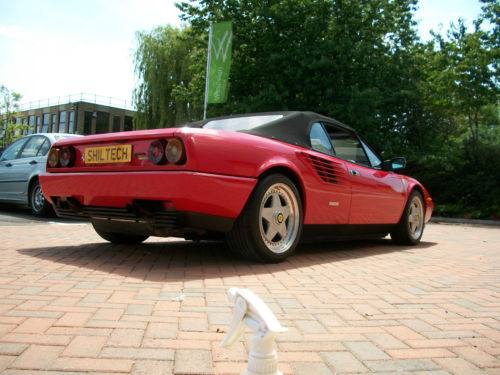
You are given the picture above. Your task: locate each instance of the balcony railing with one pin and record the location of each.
(83, 97)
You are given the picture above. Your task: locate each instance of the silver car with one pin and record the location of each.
(20, 165)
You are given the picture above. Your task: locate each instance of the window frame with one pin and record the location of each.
(362, 143)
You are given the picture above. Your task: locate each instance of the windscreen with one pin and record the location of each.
(241, 123)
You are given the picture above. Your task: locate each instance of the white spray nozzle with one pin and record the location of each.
(249, 309)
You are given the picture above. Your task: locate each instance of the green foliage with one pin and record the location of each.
(164, 66)
(10, 130)
(460, 100)
(464, 182)
(348, 59)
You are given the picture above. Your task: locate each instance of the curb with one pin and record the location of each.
(464, 221)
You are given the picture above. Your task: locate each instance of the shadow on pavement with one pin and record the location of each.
(185, 260)
(12, 214)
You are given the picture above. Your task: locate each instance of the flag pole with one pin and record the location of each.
(209, 55)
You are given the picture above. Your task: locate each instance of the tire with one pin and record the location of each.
(270, 225)
(120, 238)
(40, 207)
(410, 228)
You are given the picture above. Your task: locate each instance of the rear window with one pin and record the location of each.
(241, 123)
(61, 136)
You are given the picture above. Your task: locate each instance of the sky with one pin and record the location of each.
(56, 48)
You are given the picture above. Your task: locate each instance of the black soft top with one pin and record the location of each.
(292, 128)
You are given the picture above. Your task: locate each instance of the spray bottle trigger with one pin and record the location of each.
(237, 326)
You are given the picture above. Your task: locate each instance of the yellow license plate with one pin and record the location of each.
(108, 154)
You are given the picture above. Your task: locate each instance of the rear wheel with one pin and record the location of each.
(410, 228)
(120, 238)
(270, 225)
(39, 205)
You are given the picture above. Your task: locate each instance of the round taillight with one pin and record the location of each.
(53, 158)
(176, 154)
(67, 157)
(156, 152)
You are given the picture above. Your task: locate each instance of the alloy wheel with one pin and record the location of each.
(279, 220)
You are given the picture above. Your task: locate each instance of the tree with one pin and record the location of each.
(11, 127)
(347, 59)
(460, 92)
(475, 85)
(163, 64)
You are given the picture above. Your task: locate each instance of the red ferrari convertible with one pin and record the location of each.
(263, 181)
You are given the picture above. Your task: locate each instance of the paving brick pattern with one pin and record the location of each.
(72, 304)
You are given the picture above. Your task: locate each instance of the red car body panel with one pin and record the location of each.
(187, 191)
(221, 170)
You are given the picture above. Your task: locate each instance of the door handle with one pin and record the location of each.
(354, 172)
(8, 165)
(33, 162)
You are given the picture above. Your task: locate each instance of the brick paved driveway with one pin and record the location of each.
(72, 304)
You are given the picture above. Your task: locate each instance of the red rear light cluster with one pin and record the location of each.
(62, 157)
(160, 152)
(171, 151)
(156, 152)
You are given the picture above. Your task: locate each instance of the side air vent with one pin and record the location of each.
(328, 171)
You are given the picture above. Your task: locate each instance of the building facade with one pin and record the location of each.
(81, 116)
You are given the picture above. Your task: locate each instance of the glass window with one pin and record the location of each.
(129, 124)
(372, 156)
(102, 122)
(241, 123)
(53, 125)
(319, 139)
(11, 152)
(24, 122)
(31, 148)
(20, 130)
(116, 123)
(71, 122)
(44, 148)
(62, 122)
(347, 146)
(31, 124)
(45, 123)
(87, 123)
(38, 125)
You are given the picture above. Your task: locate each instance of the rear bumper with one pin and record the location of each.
(197, 194)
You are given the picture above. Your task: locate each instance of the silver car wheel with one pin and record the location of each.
(415, 217)
(37, 198)
(279, 219)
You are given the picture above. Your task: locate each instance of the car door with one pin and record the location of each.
(8, 172)
(29, 161)
(377, 196)
(331, 198)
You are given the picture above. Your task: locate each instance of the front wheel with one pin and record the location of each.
(270, 225)
(119, 238)
(39, 205)
(410, 228)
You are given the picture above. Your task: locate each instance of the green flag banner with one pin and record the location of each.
(220, 62)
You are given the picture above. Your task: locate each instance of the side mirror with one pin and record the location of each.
(393, 164)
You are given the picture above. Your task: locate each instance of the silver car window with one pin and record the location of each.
(44, 148)
(11, 152)
(31, 148)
